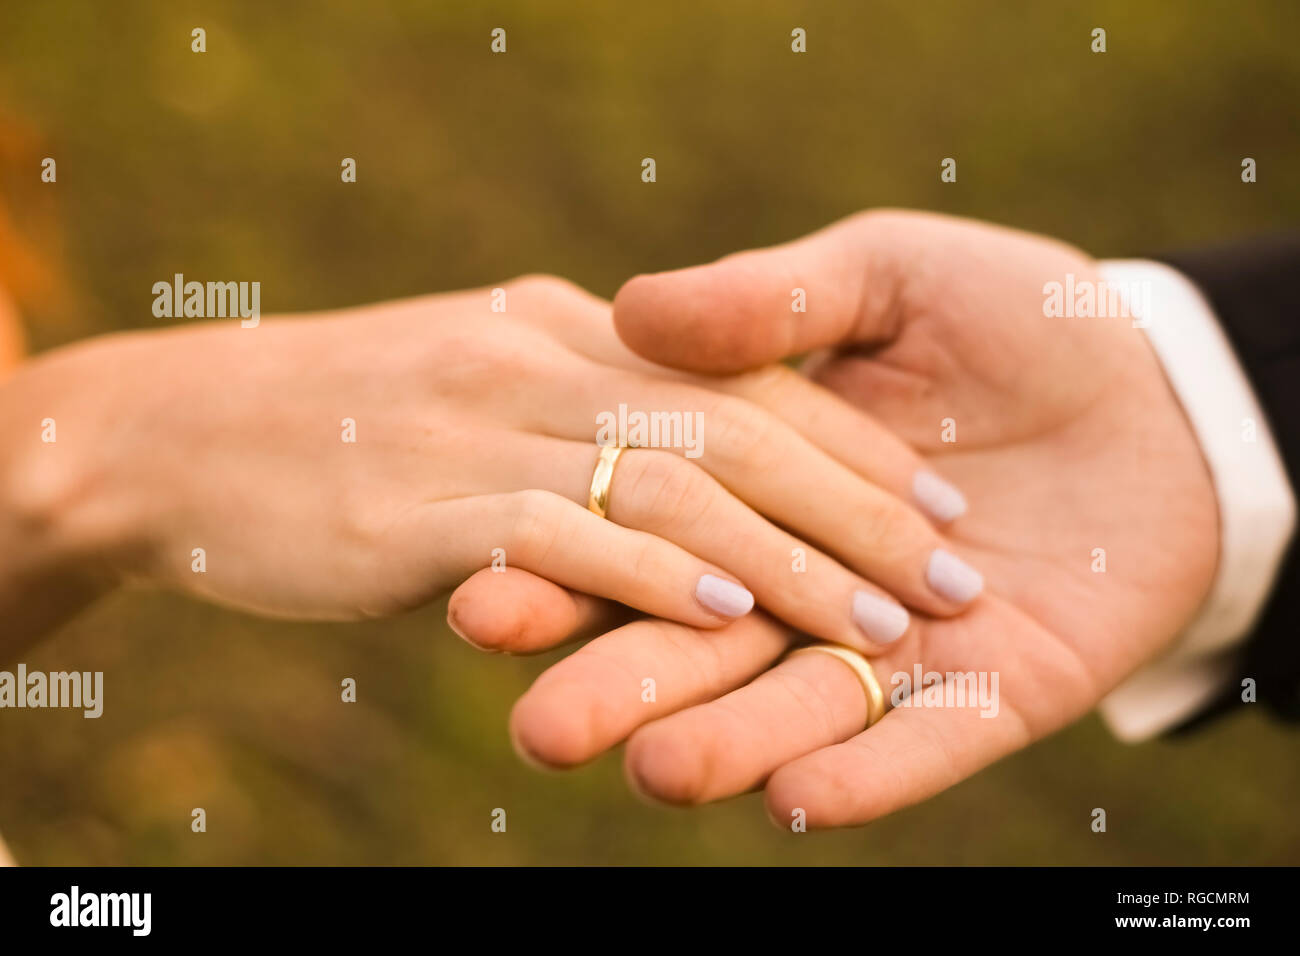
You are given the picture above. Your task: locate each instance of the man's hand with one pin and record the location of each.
(1062, 432)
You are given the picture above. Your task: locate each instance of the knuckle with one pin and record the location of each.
(703, 663)
(801, 606)
(663, 489)
(468, 359)
(891, 530)
(540, 288)
(767, 378)
(884, 217)
(814, 698)
(536, 527)
(640, 562)
(469, 348)
(364, 527)
(741, 433)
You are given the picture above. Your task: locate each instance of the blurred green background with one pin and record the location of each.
(474, 167)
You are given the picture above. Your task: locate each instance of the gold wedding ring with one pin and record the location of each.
(862, 669)
(598, 497)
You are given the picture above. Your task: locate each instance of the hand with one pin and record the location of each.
(1068, 439)
(362, 462)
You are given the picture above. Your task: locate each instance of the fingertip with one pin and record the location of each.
(880, 618)
(631, 294)
(663, 768)
(781, 803)
(698, 319)
(465, 619)
(789, 800)
(511, 611)
(816, 792)
(645, 317)
(724, 599)
(550, 733)
(937, 497)
(952, 579)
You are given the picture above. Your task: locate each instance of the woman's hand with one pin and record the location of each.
(359, 463)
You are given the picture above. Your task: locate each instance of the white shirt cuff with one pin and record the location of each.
(1257, 507)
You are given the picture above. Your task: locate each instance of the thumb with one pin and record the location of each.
(743, 310)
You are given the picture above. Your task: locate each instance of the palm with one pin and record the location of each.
(1064, 448)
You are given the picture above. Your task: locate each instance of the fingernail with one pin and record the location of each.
(953, 578)
(881, 620)
(723, 597)
(938, 498)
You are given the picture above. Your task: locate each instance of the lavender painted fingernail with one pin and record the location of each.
(881, 620)
(941, 500)
(953, 578)
(723, 597)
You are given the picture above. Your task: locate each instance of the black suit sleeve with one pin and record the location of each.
(1252, 287)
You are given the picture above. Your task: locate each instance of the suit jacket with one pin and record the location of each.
(1253, 287)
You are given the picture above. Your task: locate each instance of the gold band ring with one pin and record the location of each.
(862, 669)
(598, 496)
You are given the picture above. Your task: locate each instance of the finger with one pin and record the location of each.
(669, 497)
(838, 427)
(595, 697)
(850, 435)
(516, 612)
(779, 473)
(741, 312)
(791, 730)
(583, 322)
(580, 321)
(559, 540)
(730, 745)
(672, 499)
(910, 755)
(818, 412)
(1002, 681)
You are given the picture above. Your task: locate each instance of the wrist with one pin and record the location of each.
(1255, 504)
(63, 532)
